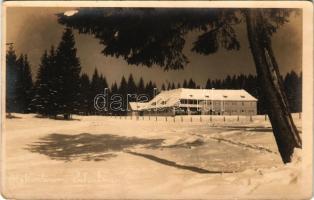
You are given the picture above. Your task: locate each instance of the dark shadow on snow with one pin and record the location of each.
(58, 117)
(85, 146)
(174, 164)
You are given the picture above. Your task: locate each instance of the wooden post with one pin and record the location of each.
(224, 118)
(174, 119)
(191, 119)
(181, 119)
(251, 119)
(200, 118)
(166, 118)
(265, 117)
(238, 118)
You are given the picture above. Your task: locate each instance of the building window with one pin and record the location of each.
(183, 101)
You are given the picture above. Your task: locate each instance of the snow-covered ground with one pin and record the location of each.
(94, 157)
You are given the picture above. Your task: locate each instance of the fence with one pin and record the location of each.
(202, 118)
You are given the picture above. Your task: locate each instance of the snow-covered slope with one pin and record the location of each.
(105, 157)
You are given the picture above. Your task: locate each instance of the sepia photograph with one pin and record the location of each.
(157, 100)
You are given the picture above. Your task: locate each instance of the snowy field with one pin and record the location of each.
(94, 157)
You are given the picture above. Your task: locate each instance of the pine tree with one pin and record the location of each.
(169, 86)
(68, 75)
(155, 90)
(103, 80)
(84, 100)
(173, 86)
(53, 82)
(123, 87)
(45, 98)
(123, 90)
(11, 79)
(132, 89)
(293, 90)
(96, 87)
(191, 84)
(141, 86)
(227, 82)
(95, 82)
(114, 88)
(234, 82)
(299, 94)
(163, 87)
(150, 89)
(40, 100)
(28, 85)
(185, 84)
(24, 85)
(208, 84)
(217, 84)
(19, 98)
(102, 88)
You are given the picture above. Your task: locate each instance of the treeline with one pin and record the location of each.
(292, 86)
(61, 89)
(186, 84)
(128, 89)
(56, 89)
(19, 84)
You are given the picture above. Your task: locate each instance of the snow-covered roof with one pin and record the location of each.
(172, 98)
(216, 94)
(136, 106)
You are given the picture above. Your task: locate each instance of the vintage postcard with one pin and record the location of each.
(157, 100)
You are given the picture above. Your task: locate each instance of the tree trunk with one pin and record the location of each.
(285, 132)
